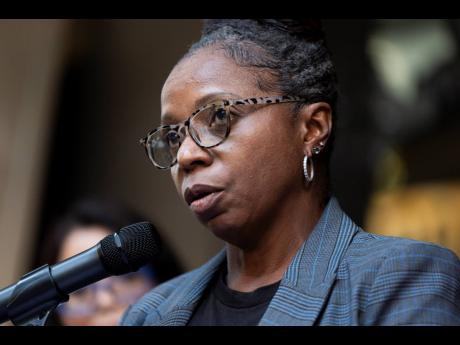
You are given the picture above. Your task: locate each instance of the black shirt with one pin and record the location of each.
(222, 306)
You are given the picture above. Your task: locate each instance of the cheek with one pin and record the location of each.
(263, 159)
(265, 152)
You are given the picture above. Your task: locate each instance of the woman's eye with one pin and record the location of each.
(219, 117)
(172, 138)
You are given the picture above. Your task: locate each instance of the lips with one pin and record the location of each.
(198, 191)
(202, 199)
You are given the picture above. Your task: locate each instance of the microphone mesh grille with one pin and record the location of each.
(140, 243)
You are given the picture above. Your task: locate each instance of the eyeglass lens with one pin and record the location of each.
(208, 128)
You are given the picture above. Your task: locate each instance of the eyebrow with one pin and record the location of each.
(168, 119)
(213, 97)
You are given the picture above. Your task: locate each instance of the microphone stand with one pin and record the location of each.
(34, 298)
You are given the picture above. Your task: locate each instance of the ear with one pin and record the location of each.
(316, 125)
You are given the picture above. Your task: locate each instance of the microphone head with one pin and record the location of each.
(130, 248)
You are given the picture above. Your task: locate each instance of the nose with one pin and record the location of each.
(190, 155)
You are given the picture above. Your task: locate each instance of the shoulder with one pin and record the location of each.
(404, 281)
(376, 250)
(152, 300)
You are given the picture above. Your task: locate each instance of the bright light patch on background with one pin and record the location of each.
(402, 52)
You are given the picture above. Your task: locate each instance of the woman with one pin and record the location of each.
(102, 303)
(247, 131)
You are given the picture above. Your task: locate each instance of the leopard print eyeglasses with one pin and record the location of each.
(208, 126)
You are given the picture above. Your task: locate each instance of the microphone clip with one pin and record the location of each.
(34, 297)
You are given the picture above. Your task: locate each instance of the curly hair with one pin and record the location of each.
(292, 53)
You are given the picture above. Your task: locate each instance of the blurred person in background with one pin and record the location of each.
(102, 303)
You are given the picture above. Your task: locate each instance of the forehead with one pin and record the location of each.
(80, 239)
(205, 73)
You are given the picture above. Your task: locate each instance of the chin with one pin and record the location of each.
(227, 227)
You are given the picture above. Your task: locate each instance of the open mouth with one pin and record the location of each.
(198, 192)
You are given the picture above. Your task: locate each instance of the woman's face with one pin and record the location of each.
(102, 303)
(254, 169)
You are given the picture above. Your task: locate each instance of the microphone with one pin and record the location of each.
(40, 291)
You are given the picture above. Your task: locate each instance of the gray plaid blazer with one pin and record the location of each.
(341, 275)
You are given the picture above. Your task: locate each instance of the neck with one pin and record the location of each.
(283, 235)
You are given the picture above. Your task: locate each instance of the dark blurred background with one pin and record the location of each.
(76, 95)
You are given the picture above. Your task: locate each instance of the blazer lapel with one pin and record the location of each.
(309, 278)
(185, 298)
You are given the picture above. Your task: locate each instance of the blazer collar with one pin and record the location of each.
(185, 297)
(308, 280)
(304, 287)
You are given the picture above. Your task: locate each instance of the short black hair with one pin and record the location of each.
(292, 52)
